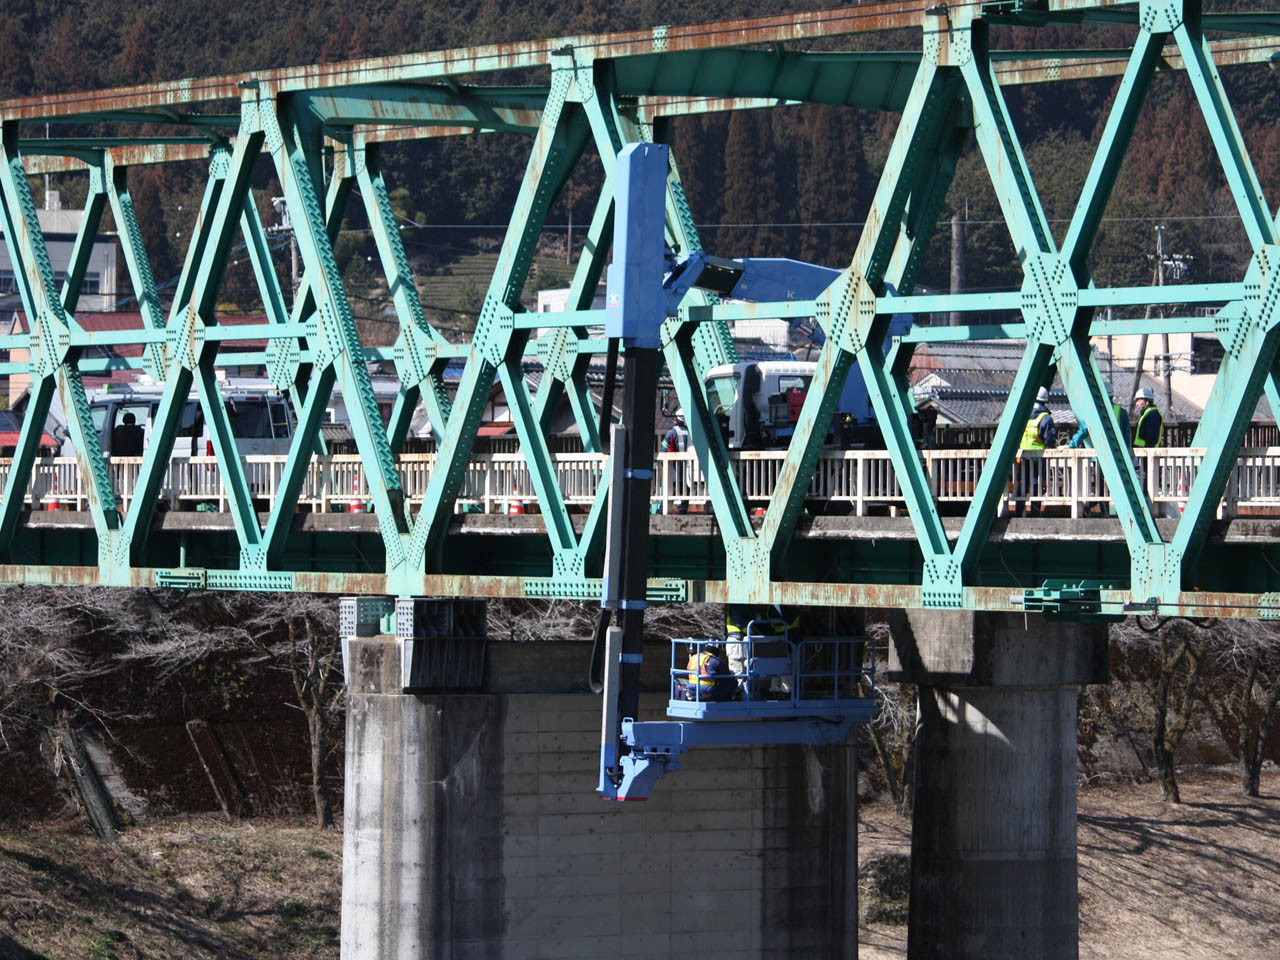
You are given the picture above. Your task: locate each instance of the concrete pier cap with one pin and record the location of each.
(970, 648)
(993, 844)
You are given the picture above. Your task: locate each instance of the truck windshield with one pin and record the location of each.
(722, 392)
(249, 419)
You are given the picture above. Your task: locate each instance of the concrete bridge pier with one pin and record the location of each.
(473, 830)
(993, 842)
(422, 843)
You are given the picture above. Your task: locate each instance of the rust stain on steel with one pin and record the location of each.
(365, 584)
(1225, 53)
(889, 15)
(427, 585)
(824, 594)
(1206, 603)
(60, 576)
(882, 595)
(130, 156)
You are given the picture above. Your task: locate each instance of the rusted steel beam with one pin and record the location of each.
(1226, 53)
(37, 162)
(779, 29)
(120, 157)
(1228, 605)
(62, 146)
(518, 109)
(895, 14)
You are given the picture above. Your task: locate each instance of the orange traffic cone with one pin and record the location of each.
(51, 500)
(357, 506)
(1182, 492)
(515, 505)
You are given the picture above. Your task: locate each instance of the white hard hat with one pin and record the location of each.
(1144, 394)
(679, 414)
(1043, 395)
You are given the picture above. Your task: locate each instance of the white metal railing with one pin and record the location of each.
(1061, 481)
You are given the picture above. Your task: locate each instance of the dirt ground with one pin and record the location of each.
(1198, 880)
(195, 888)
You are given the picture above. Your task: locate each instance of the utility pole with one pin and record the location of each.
(286, 226)
(1142, 355)
(1178, 264)
(1142, 344)
(1164, 337)
(1111, 362)
(957, 260)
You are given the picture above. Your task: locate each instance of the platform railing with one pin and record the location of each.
(778, 676)
(1060, 482)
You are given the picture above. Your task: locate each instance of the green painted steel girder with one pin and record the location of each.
(315, 127)
(508, 109)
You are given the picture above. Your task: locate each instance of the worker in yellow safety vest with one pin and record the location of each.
(707, 675)
(1150, 430)
(1039, 433)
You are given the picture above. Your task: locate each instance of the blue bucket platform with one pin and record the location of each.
(811, 691)
(829, 678)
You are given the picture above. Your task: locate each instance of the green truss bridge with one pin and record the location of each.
(1183, 532)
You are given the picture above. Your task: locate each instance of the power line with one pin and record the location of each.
(795, 224)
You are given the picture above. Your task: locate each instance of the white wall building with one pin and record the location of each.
(60, 228)
(1195, 359)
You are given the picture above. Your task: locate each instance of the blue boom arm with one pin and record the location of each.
(761, 280)
(644, 287)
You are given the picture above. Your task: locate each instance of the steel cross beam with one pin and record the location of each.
(321, 128)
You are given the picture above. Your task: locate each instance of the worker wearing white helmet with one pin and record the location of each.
(1150, 431)
(1040, 431)
(676, 440)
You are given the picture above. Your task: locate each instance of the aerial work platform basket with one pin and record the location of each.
(810, 691)
(775, 678)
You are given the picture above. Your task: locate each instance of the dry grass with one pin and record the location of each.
(1198, 880)
(193, 889)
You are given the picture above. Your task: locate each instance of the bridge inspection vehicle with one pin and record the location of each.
(789, 691)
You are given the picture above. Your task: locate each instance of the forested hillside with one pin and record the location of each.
(793, 181)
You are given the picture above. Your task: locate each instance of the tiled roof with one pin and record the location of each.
(969, 382)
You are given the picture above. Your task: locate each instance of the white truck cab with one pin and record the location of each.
(261, 420)
(756, 400)
(757, 403)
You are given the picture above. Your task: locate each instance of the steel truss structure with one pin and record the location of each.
(322, 128)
